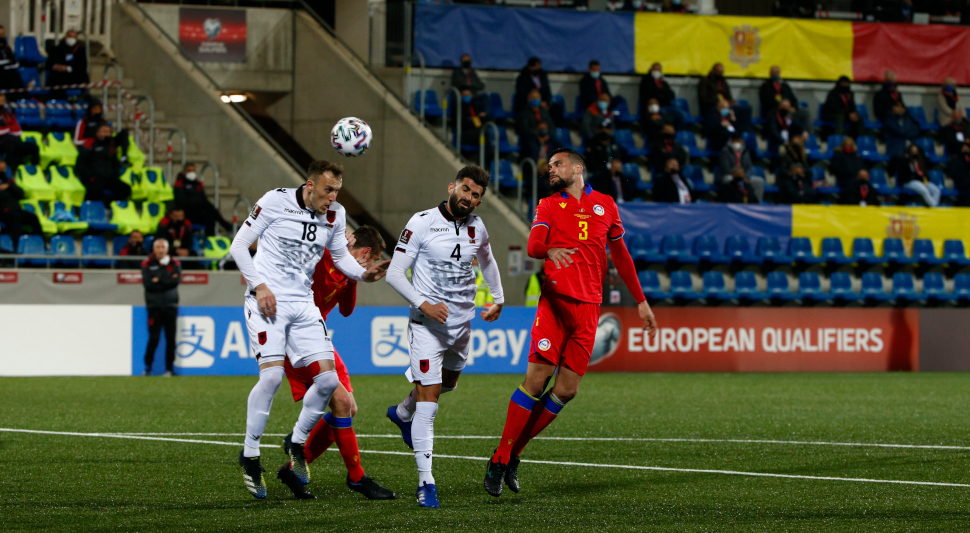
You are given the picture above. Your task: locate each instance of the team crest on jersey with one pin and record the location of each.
(544, 344)
(471, 234)
(598, 209)
(562, 205)
(331, 216)
(405, 236)
(255, 212)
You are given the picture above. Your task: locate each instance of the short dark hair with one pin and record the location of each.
(317, 168)
(369, 237)
(533, 61)
(475, 173)
(594, 63)
(575, 157)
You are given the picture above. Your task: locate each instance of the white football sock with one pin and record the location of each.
(258, 407)
(314, 404)
(422, 436)
(405, 409)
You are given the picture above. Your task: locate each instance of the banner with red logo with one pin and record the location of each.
(129, 278)
(213, 34)
(68, 277)
(193, 278)
(8, 277)
(758, 339)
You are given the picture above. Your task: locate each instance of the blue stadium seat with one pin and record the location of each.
(498, 110)
(954, 254)
(6, 244)
(738, 249)
(930, 149)
(633, 169)
(32, 245)
(814, 150)
(863, 113)
(27, 50)
(681, 286)
(819, 123)
(769, 250)
(684, 107)
(706, 249)
(810, 287)
(504, 146)
(642, 249)
(650, 283)
(432, 109)
(800, 251)
(872, 289)
(924, 254)
(961, 288)
(63, 247)
(746, 287)
(31, 78)
(833, 142)
(918, 113)
(96, 216)
(622, 113)
(696, 176)
(625, 139)
(936, 177)
(29, 117)
(558, 99)
(689, 141)
(751, 141)
(506, 178)
(904, 289)
(840, 288)
(934, 289)
(818, 178)
(877, 177)
(863, 251)
(562, 135)
(868, 150)
(714, 288)
(59, 117)
(94, 245)
(833, 253)
(894, 252)
(777, 288)
(674, 249)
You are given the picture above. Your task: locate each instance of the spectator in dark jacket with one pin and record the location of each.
(794, 151)
(67, 64)
(667, 147)
(887, 97)
(98, 168)
(87, 126)
(134, 247)
(653, 120)
(773, 91)
(594, 116)
(859, 191)
(601, 152)
(531, 77)
(15, 149)
(674, 6)
(733, 156)
(719, 124)
(528, 123)
(846, 162)
(840, 109)
(547, 146)
(653, 86)
(796, 187)
(592, 85)
(17, 220)
(189, 191)
(956, 132)
(9, 66)
(712, 89)
(739, 190)
(899, 129)
(778, 125)
(912, 171)
(160, 274)
(671, 187)
(958, 168)
(475, 112)
(465, 77)
(177, 230)
(947, 102)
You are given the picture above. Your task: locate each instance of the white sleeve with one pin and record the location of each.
(239, 250)
(338, 249)
(490, 270)
(397, 278)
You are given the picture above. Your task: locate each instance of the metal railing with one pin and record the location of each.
(168, 150)
(215, 174)
(481, 146)
(240, 200)
(151, 125)
(50, 260)
(408, 85)
(114, 65)
(43, 18)
(444, 119)
(535, 183)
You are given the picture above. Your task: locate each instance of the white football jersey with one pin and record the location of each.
(443, 249)
(292, 240)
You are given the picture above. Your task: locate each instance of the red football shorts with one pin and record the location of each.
(564, 332)
(302, 378)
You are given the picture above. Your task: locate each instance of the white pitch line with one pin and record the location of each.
(619, 439)
(556, 463)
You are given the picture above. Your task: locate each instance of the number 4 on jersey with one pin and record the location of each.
(456, 253)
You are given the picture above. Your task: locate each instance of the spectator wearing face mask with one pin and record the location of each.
(87, 126)
(134, 247)
(912, 172)
(735, 155)
(839, 108)
(667, 147)
(793, 152)
(635, 5)
(9, 66)
(529, 121)
(592, 85)
(778, 126)
(898, 130)
(15, 218)
(594, 116)
(177, 230)
(465, 77)
(947, 102)
(958, 168)
(15, 150)
(546, 146)
(671, 187)
(475, 112)
(674, 6)
(859, 191)
(189, 191)
(956, 132)
(653, 120)
(719, 124)
(653, 86)
(846, 162)
(531, 77)
(604, 159)
(773, 91)
(887, 97)
(713, 89)
(738, 190)
(68, 64)
(796, 187)
(99, 167)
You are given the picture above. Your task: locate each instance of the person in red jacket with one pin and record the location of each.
(331, 288)
(11, 145)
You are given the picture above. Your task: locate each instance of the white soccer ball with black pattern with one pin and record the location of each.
(351, 136)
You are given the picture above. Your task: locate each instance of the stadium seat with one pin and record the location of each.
(151, 214)
(563, 137)
(814, 150)
(769, 250)
(936, 177)
(560, 100)
(96, 216)
(777, 288)
(94, 245)
(714, 288)
(695, 174)
(810, 288)
(863, 251)
(751, 141)
(432, 109)
(706, 249)
(737, 249)
(746, 287)
(216, 248)
(868, 150)
(136, 158)
(139, 192)
(31, 179)
(930, 149)
(32, 245)
(904, 289)
(819, 123)
(833, 253)
(67, 221)
(622, 113)
(504, 146)
(633, 169)
(27, 50)
(6, 244)
(650, 283)
(625, 139)
(157, 189)
(934, 289)
(840, 288)
(67, 188)
(924, 253)
(872, 289)
(47, 226)
(863, 113)
(961, 288)
(63, 247)
(918, 113)
(117, 243)
(877, 177)
(682, 287)
(642, 249)
(894, 252)
(59, 150)
(58, 114)
(126, 217)
(954, 254)
(498, 110)
(800, 251)
(684, 107)
(28, 113)
(689, 141)
(674, 249)
(818, 178)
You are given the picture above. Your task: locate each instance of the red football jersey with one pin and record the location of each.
(328, 284)
(585, 224)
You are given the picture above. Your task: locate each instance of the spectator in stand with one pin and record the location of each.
(947, 102)
(635, 5)
(671, 187)
(719, 124)
(161, 274)
(9, 66)
(67, 64)
(899, 129)
(177, 230)
(793, 152)
(99, 168)
(674, 6)
(592, 85)
(87, 126)
(653, 86)
(134, 247)
(778, 125)
(528, 123)
(738, 190)
(465, 77)
(189, 192)
(887, 97)
(839, 108)
(956, 132)
(898, 12)
(14, 217)
(604, 159)
(15, 150)
(912, 172)
(667, 147)
(475, 112)
(653, 120)
(547, 146)
(859, 191)
(773, 91)
(733, 156)
(531, 77)
(846, 163)
(958, 168)
(713, 89)
(796, 187)
(594, 116)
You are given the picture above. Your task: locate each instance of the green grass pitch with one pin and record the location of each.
(82, 483)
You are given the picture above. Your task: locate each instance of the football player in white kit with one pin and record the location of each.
(294, 227)
(438, 245)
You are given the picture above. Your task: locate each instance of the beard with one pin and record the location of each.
(557, 186)
(458, 210)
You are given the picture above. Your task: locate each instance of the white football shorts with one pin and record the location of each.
(297, 330)
(435, 348)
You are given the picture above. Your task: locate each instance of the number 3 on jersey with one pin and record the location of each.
(583, 233)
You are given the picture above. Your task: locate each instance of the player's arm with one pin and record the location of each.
(493, 278)
(405, 251)
(347, 299)
(538, 246)
(254, 226)
(342, 258)
(628, 273)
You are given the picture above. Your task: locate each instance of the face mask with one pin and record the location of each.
(535, 103)
(70, 41)
(165, 260)
(637, 5)
(848, 149)
(96, 116)
(776, 78)
(737, 146)
(725, 112)
(543, 133)
(466, 63)
(675, 2)
(653, 108)
(536, 72)
(947, 88)
(844, 88)
(602, 105)
(191, 176)
(656, 74)
(466, 99)
(594, 75)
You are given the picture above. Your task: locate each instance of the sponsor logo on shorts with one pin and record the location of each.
(598, 209)
(405, 236)
(424, 365)
(544, 344)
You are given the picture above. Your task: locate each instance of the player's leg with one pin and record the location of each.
(426, 347)
(154, 334)
(171, 320)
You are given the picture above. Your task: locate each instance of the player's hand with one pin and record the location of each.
(437, 312)
(353, 404)
(491, 314)
(266, 300)
(376, 272)
(649, 321)
(561, 255)
(351, 240)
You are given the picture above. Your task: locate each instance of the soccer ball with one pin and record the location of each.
(607, 338)
(351, 136)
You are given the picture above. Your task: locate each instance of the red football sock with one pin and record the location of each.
(347, 444)
(544, 413)
(317, 442)
(520, 409)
